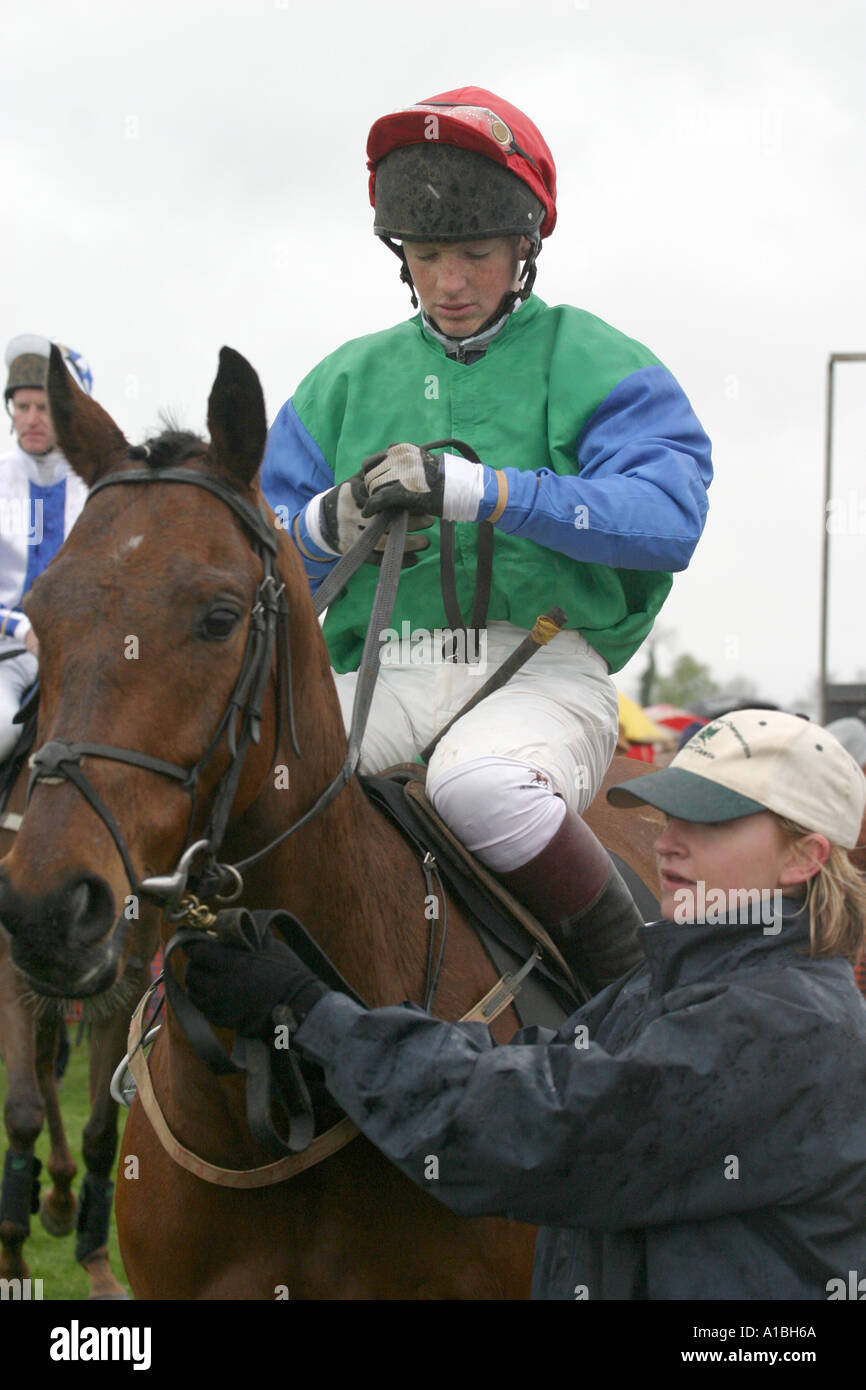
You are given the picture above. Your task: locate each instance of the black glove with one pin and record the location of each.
(342, 519)
(239, 989)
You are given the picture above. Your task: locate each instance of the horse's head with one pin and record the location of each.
(146, 621)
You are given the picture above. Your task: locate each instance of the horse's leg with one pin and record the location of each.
(98, 1147)
(57, 1209)
(23, 1115)
(99, 1141)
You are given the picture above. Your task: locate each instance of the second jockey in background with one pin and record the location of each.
(594, 473)
(40, 499)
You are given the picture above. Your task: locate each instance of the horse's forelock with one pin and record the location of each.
(169, 449)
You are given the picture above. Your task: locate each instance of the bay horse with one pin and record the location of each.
(29, 1034)
(144, 620)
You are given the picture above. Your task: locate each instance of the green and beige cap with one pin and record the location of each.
(758, 760)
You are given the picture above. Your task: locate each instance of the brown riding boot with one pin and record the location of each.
(578, 894)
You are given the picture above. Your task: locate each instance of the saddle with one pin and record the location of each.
(546, 992)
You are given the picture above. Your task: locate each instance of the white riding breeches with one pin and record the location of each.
(503, 776)
(16, 676)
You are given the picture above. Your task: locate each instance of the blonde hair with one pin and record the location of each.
(836, 898)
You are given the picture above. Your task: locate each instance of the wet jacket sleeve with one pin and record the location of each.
(294, 470)
(706, 1113)
(640, 498)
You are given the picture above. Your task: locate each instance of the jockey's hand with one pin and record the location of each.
(31, 641)
(239, 989)
(408, 476)
(343, 521)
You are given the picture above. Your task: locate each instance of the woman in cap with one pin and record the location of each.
(698, 1130)
(594, 473)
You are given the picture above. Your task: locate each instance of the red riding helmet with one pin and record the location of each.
(494, 173)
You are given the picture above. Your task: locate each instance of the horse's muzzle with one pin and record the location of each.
(64, 942)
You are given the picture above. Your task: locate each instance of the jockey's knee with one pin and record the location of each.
(504, 811)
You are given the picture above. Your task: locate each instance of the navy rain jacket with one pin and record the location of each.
(696, 1131)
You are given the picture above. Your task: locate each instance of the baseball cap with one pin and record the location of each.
(758, 760)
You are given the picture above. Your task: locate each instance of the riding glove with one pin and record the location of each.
(408, 476)
(239, 989)
(342, 522)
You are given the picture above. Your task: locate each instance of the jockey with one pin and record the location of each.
(594, 474)
(40, 499)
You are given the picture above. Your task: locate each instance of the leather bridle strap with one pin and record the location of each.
(254, 520)
(59, 761)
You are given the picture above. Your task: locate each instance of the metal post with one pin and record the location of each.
(825, 534)
(825, 545)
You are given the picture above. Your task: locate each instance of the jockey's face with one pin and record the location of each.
(462, 283)
(750, 853)
(31, 420)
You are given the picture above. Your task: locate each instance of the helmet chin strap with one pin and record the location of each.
(506, 304)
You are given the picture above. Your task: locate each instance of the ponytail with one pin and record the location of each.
(836, 897)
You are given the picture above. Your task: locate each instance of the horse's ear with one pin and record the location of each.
(85, 432)
(236, 417)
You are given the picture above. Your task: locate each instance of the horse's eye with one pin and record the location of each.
(220, 622)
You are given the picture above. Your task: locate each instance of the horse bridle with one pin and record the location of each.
(60, 760)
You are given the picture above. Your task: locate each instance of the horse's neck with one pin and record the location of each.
(353, 883)
(347, 875)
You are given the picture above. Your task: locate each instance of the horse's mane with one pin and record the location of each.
(171, 446)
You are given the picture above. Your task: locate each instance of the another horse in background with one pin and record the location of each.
(29, 1033)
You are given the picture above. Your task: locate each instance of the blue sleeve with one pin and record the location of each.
(294, 470)
(640, 499)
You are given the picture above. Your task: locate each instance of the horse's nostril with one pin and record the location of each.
(79, 901)
(89, 911)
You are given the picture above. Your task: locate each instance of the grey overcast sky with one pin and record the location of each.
(187, 174)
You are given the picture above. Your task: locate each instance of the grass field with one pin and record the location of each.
(52, 1259)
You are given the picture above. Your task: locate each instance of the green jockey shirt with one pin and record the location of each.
(606, 461)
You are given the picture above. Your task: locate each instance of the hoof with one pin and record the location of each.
(58, 1220)
(103, 1285)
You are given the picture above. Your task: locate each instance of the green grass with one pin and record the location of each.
(52, 1258)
